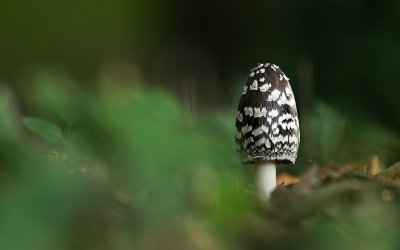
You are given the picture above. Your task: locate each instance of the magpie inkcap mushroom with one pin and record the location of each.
(267, 128)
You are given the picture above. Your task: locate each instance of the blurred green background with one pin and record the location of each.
(139, 101)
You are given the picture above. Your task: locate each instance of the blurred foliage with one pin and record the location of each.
(47, 130)
(135, 169)
(129, 167)
(340, 139)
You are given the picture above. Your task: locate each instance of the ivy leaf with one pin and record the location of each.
(45, 129)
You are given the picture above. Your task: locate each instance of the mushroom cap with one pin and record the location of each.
(267, 126)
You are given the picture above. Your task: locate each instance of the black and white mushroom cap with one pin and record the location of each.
(267, 126)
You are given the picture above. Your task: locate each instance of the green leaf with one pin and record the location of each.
(45, 129)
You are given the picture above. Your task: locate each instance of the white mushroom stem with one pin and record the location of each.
(264, 178)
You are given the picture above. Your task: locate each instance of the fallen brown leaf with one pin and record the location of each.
(391, 173)
(286, 179)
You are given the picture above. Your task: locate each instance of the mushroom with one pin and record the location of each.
(267, 129)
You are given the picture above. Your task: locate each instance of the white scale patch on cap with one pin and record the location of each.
(257, 112)
(273, 113)
(281, 157)
(260, 65)
(280, 77)
(264, 112)
(238, 135)
(285, 138)
(265, 87)
(247, 129)
(287, 78)
(274, 95)
(285, 116)
(262, 79)
(273, 66)
(276, 139)
(292, 139)
(251, 74)
(282, 100)
(291, 102)
(260, 130)
(257, 132)
(292, 125)
(239, 116)
(254, 86)
(288, 125)
(248, 111)
(269, 120)
(288, 91)
(247, 141)
(263, 141)
(262, 70)
(244, 90)
(264, 128)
